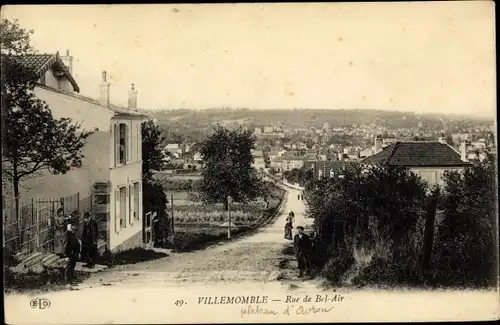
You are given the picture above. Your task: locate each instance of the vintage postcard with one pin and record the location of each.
(253, 163)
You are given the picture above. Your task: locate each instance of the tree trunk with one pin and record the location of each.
(15, 184)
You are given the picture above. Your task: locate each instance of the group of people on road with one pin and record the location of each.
(305, 247)
(67, 244)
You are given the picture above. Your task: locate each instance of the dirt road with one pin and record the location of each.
(252, 258)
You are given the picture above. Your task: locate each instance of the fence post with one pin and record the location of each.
(172, 207)
(37, 218)
(429, 229)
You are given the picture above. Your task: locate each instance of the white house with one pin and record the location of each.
(110, 181)
(428, 159)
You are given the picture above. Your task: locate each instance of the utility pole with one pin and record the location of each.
(228, 217)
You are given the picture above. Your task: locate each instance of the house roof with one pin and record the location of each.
(327, 165)
(289, 158)
(417, 153)
(114, 108)
(291, 153)
(40, 63)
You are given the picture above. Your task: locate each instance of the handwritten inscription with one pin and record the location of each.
(288, 311)
(257, 310)
(296, 305)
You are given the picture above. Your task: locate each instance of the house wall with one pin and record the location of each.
(259, 163)
(95, 168)
(100, 165)
(88, 115)
(434, 175)
(61, 83)
(126, 175)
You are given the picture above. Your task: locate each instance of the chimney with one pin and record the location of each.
(68, 61)
(132, 98)
(464, 146)
(104, 95)
(341, 156)
(442, 139)
(378, 143)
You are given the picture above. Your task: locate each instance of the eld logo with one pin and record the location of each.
(40, 303)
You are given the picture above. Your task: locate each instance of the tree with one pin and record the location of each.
(227, 167)
(267, 160)
(152, 154)
(392, 195)
(33, 141)
(154, 197)
(467, 237)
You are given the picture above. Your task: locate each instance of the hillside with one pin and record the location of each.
(300, 118)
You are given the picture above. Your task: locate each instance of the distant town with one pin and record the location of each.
(281, 148)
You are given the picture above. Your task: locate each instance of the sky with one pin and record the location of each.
(425, 57)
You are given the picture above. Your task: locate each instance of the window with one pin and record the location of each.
(137, 190)
(123, 207)
(121, 141)
(42, 79)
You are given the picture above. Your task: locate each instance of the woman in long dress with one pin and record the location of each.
(59, 231)
(289, 226)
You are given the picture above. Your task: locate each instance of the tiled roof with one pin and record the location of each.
(40, 63)
(36, 62)
(290, 158)
(418, 153)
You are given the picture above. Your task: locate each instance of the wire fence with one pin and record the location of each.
(34, 231)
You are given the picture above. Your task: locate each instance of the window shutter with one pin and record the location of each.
(127, 143)
(117, 211)
(139, 141)
(133, 150)
(131, 204)
(117, 144)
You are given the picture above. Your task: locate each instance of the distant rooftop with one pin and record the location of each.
(417, 153)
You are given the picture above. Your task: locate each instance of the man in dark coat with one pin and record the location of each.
(89, 240)
(317, 253)
(72, 251)
(303, 246)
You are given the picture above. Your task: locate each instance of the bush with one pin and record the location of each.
(337, 266)
(466, 251)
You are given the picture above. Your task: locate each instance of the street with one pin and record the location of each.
(252, 258)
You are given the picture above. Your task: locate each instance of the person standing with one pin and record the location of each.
(72, 252)
(291, 215)
(288, 228)
(60, 223)
(303, 246)
(317, 253)
(89, 240)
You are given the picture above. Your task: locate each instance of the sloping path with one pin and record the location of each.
(252, 258)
